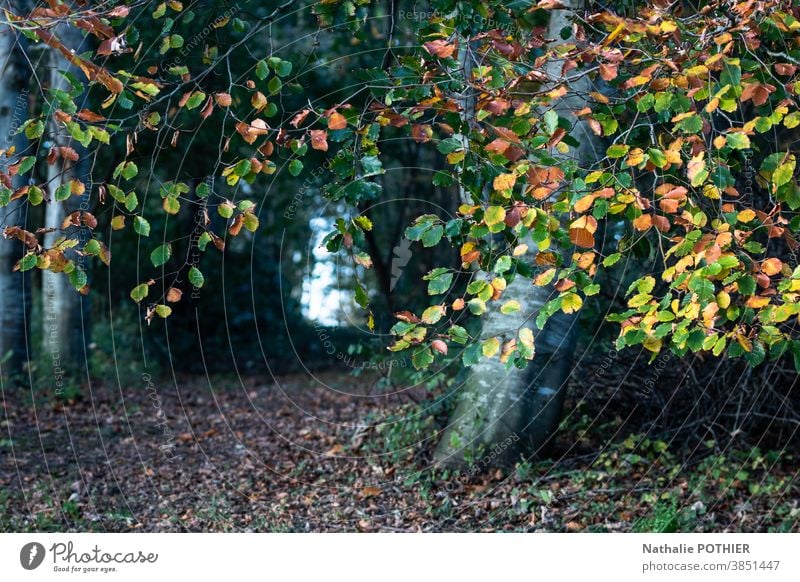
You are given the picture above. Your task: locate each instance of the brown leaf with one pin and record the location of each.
(207, 109)
(90, 116)
(608, 72)
(299, 118)
(370, 492)
(223, 99)
(581, 237)
(319, 140)
(421, 132)
(236, 226)
(440, 48)
(497, 146)
(407, 316)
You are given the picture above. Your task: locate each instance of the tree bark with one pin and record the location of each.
(14, 287)
(65, 311)
(504, 414)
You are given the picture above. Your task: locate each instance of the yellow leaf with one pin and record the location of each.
(571, 302)
(504, 181)
(494, 215)
(652, 344)
(757, 302)
(525, 336)
(520, 250)
(491, 347)
(432, 314)
(544, 278)
(746, 215)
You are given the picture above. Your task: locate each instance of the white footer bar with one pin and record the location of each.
(401, 557)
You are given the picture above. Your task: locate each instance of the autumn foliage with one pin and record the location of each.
(696, 111)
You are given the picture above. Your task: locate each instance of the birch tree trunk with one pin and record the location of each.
(14, 287)
(65, 311)
(505, 414)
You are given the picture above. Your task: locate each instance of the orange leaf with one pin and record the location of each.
(337, 121)
(581, 237)
(644, 222)
(771, 266)
(440, 48)
(319, 140)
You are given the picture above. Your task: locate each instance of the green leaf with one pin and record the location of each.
(737, 141)
(611, 259)
(371, 166)
(242, 167)
(141, 226)
(746, 285)
(78, 278)
(204, 239)
(196, 277)
(784, 173)
(440, 282)
(422, 357)
(502, 265)
(283, 68)
(617, 151)
(26, 164)
(62, 192)
(472, 354)
(250, 221)
(35, 130)
(171, 205)
(274, 85)
(196, 100)
(432, 236)
(262, 71)
(160, 255)
(131, 201)
(27, 262)
(295, 167)
(361, 297)
(35, 195)
(140, 292)
(130, 170)
(450, 145)
(92, 247)
(163, 311)
(458, 334)
(551, 121)
(658, 157)
(225, 210)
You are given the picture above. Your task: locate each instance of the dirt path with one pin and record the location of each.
(310, 455)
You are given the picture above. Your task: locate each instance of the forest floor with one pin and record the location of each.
(300, 456)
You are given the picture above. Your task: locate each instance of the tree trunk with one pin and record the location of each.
(505, 414)
(65, 311)
(14, 287)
